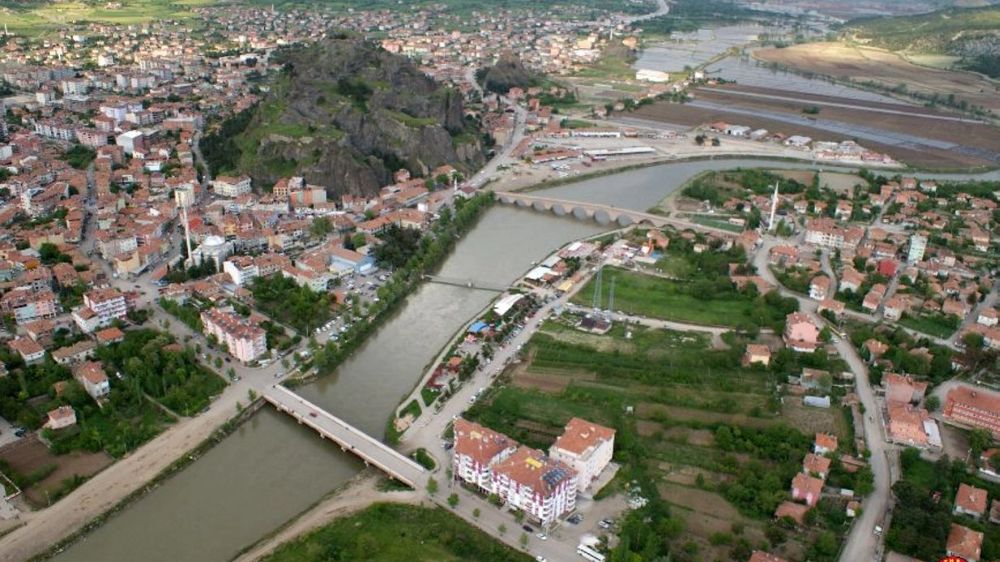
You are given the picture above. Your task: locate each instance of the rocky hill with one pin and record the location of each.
(346, 114)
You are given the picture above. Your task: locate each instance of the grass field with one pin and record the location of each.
(936, 326)
(709, 433)
(389, 533)
(656, 297)
(41, 17)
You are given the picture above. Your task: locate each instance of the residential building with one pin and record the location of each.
(817, 465)
(227, 186)
(100, 308)
(28, 305)
(806, 489)
(543, 488)
(79, 351)
(475, 452)
(29, 350)
(801, 333)
(242, 269)
(61, 417)
(825, 232)
(918, 245)
(586, 448)
(964, 542)
(824, 443)
(91, 375)
(970, 501)
(757, 353)
(973, 407)
(108, 336)
(819, 288)
(244, 340)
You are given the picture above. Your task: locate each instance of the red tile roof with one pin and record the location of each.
(964, 542)
(971, 499)
(581, 434)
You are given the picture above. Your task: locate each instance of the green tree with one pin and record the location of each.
(320, 227)
(502, 529)
(979, 440)
(432, 486)
(523, 540)
(453, 500)
(476, 513)
(932, 403)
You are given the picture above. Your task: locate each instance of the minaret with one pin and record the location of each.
(774, 208)
(187, 231)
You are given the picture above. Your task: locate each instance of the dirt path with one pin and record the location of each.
(356, 496)
(44, 528)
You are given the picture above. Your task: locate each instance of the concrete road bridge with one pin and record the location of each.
(603, 214)
(348, 437)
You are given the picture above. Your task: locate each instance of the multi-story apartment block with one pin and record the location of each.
(542, 487)
(586, 448)
(973, 407)
(244, 340)
(476, 450)
(226, 186)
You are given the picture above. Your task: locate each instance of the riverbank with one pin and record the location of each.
(358, 494)
(100, 507)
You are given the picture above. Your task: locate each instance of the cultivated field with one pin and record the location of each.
(864, 64)
(31, 457)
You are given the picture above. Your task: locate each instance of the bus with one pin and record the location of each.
(589, 553)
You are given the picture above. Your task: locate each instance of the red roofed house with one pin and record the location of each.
(91, 375)
(824, 443)
(816, 464)
(757, 353)
(543, 488)
(29, 350)
(970, 501)
(964, 542)
(586, 448)
(61, 417)
(476, 450)
(973, 407)
(819, 288)
(806, 488)
(801, 334)
(109, 335)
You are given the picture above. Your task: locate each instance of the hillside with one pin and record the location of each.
(970, 34)
(346, 114)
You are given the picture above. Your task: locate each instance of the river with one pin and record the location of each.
(271, 469)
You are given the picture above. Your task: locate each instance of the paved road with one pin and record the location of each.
(862, 545)
(347, 436)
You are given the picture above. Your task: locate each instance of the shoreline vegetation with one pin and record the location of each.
(430, 255)
(182, 462)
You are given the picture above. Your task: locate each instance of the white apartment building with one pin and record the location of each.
(100, 308)
(242, 269)
(918, 245)
(226, 186)
(476, 450)
(586, 448)
(543, 488)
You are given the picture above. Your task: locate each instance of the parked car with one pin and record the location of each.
(527, 528)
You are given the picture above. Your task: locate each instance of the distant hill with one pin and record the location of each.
(346, 114)
(973, 34)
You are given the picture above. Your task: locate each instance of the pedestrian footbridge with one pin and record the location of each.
(349, 438)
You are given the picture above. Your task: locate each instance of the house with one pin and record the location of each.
(109, 336)
(964, 542)
(824, 443)
(586, 448)
(475, 452)
(77, 352)
(91, 375)
(29, 350)
(226, 186)
(760, 556)
(902, 388)
(819, 288)
(834, 306)
(911, 425)
(970, 501)
(816, 464)
(973, 407)
(61, 417)
(543, 488)
(243, 339)
(988, 317)
(894, 308)
(801, 334)
(851, 280)
(806, 489)
(100, 308)
(757, 353)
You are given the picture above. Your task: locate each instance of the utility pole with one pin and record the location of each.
(598, 281)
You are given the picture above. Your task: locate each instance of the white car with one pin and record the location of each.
(541, 558)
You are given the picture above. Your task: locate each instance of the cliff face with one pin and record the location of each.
(346, 114)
